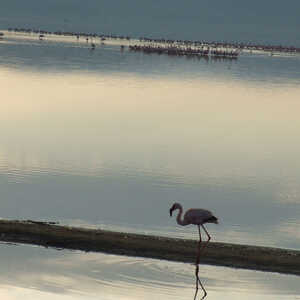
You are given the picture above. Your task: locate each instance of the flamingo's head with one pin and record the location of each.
(174, 206)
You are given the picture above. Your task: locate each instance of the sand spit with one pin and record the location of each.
(198, 48)
(122, 243)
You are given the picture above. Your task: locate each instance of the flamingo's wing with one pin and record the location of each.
(197, 216)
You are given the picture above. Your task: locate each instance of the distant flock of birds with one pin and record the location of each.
(188, 48)
(185, 51)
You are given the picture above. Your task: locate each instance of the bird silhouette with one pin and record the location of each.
(199, 217)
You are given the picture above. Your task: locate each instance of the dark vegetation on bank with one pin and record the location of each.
(121, 243)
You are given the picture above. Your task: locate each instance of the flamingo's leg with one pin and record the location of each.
(196, 273)
(198, 282)
(203, 289)
(199, 246)
(208, 237)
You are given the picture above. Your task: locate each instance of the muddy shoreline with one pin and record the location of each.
(122, 243)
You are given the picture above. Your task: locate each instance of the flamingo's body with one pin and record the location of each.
(195, 216)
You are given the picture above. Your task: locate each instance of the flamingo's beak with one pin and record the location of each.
(171, 210)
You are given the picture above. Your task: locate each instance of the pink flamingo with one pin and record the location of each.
(195, 216)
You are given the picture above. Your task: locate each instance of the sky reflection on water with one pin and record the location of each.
(101, 148)
(110, 139)
(39, 273)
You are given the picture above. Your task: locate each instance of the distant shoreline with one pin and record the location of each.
(173, 249)
(212, 47)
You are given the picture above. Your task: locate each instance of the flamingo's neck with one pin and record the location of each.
(178, 218)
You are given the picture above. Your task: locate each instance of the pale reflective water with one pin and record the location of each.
(38, 273)
(110, 139)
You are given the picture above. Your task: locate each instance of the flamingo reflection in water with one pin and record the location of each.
(196, 216)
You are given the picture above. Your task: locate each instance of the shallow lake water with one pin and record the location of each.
(38, 273)
(111, 138)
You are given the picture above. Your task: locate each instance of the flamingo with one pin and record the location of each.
(195, 216)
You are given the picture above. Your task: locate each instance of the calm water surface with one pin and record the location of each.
(111, 139)
(37, 273)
